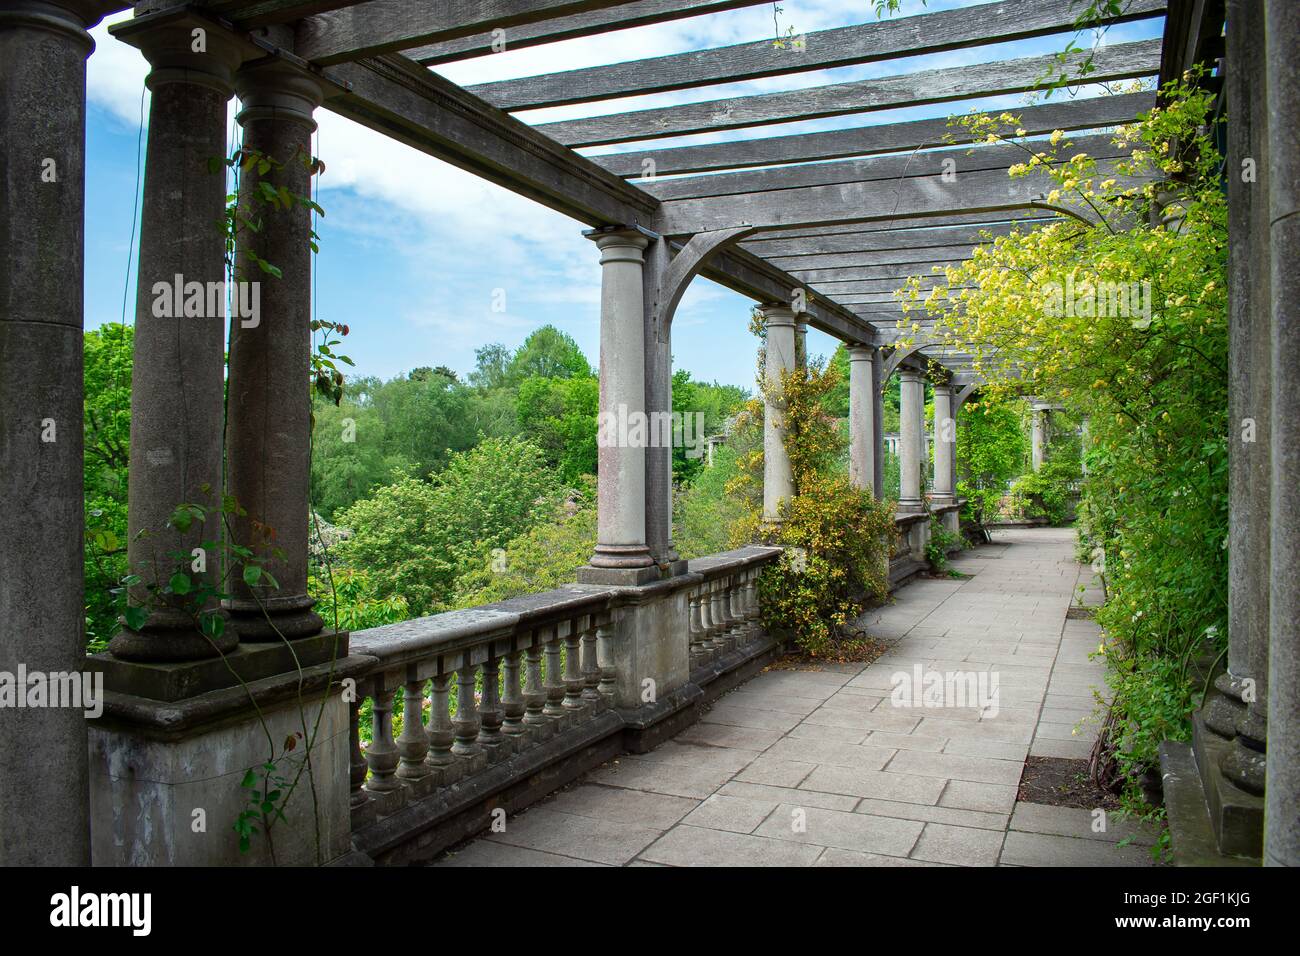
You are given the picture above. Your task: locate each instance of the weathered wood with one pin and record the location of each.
(641, 13)
(416, 106)
(250, 13)
(912, 259)
(682, 269)
(386, 26)
(843, 46)
(862, 202)
(885, 287)
(905, 225)
(1119, 62)
(928, 163)
(877, 241)
(825, 278)
(1093, 113)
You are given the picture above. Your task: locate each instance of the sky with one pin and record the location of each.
(417, 256)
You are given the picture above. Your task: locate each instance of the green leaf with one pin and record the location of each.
(252, 574)
(135, 617)
(179, 583)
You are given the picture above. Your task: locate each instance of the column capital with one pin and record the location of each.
(859, 352)
(274, 88)
(182, 47)
(946, 388)
(69, 18)
(619, 245)
(908, 374)
(776, 313)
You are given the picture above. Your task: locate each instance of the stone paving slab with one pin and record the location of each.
(818, 766)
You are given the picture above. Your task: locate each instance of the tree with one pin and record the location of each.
(547, 353)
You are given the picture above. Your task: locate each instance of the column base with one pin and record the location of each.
(590, 574)
(172, 637)
(910, 506)
(275, 619)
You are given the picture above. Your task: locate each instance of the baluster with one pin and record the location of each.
(381, 755)
(736, 609)
(746, 600)
(534, 693)
(706, 618)
(754, 611)
(554, 680)
(573, 664)
(590, 664)
(356, 759)
(720, 614)
(490, 713)
(696, 629)
(466, 723)
(441, 733)
(413, 744)
(605, 656)
(512, 700)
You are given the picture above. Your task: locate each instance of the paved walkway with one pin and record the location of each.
(818, 767)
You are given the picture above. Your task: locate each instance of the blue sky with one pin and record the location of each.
(413, 250)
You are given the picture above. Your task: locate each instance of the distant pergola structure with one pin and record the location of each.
(818, 228)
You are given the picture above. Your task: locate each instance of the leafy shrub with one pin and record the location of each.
(414, 538)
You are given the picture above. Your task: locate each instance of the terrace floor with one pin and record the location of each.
(818, 767)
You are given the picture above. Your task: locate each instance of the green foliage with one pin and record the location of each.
(1152, 381)
(941, 542)
(1047, 493)
(837, 537)
(991, 450)
(559, 416)
(107, 447)
(414, 538)
(346, 599)
(705, 513)
(545, 557)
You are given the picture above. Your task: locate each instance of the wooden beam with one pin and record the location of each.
(1092, 113)
(928, 163)
(982, 190)
(875, 241)
(917, 258)
(826, 278)
(1027, 216)
(638, 14)
(374, 27)
(252, 13)
(999, 22)
(880, 286)
(416, 106)
(1119, 62)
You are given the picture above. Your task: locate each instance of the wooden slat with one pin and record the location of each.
(1122, 61)
(915, 259)
(909, 225)
(884, 286)
(1092, 113)
(927, 163)
(826, 278)
(998, 22)
(385, 26)
(875, 241)
(416, 106)
(637, 14)
(985, 190)
(909, 257)
(251, 13)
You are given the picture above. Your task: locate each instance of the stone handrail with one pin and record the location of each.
(558, 641)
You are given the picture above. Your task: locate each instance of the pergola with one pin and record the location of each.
(818, 228)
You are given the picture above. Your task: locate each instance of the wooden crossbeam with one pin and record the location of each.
(1092, 113)
(957, 162)
(912, 258)
(998, 22)
(876, 241)
(885, 287)
(982, 190)
(386, 26)
(1118, 62)
(252, 13)
(910, 225)
(403, 100)
(826, 278)
(637, 14)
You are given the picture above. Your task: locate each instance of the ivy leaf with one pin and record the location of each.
(135, 617)
(179, 583)
(252, 574)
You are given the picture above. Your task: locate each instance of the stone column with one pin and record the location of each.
(269, 422)
(800, 340)
(878, 421)
(911, 424)
(43, 48)
(178, 376)
(945, 444)
(778, 480)
(862, 428)
(1038, 438)
(621, 554)
(923, 446)
(1249, 374)
(1282, 793)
